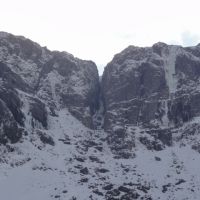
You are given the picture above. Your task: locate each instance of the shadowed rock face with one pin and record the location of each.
(154, 87)
(37, 82)
(38, 111)
(9, 129)
(12, 101)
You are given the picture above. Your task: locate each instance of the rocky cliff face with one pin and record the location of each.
(64, 135)
(35, 83)
(155, 88)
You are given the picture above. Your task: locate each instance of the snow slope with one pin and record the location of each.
(33, 170)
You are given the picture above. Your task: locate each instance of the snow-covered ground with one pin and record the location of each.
(79, 165)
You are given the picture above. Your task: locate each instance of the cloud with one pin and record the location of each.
(189, 39)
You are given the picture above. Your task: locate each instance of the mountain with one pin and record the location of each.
(155, 89)
(67, 134)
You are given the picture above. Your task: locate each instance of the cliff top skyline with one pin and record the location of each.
(96, 30)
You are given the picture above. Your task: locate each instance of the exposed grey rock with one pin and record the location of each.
(38, 111)
(13, 102)
(84, 171)
(57, 80)
(9, 129)
(46, 139)
(155, 88)
(108, 187)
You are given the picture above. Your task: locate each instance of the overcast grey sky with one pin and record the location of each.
(98, 29)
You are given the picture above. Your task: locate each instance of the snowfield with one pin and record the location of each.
(79, 165)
